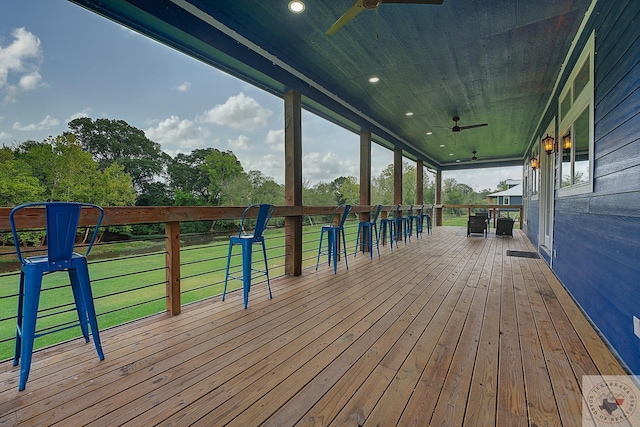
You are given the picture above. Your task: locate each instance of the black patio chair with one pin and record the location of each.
(477, 224)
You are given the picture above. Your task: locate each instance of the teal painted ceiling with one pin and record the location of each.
(485, 61)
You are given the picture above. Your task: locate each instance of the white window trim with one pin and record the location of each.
(585, 98)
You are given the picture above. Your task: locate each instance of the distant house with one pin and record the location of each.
(511, 196)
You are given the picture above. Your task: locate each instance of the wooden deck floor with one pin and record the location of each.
(445, 331)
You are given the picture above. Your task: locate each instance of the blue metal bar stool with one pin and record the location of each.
(387, 224)
(333, 237)
(369, 231)
(424, 215)
(401, 224)
(61, 228)
(415, 217)
(246, 241)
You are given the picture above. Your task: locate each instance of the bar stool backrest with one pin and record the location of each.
(265, 211)
(61, 227)
(345, 214)
(376, 213)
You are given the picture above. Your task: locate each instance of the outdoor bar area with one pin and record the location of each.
(361, 313)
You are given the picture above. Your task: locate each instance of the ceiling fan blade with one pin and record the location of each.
(473, 126)
(353, 11)
(413, 1)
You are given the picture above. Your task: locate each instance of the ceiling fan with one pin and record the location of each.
(457, 128)
(360, 5)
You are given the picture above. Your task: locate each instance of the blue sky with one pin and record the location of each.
(59, 62)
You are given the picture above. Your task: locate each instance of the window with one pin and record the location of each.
(505, 200)
(576, 126)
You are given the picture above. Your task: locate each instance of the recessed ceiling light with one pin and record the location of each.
(451, 154)
(441, 145)
(296, 6)
(408, 113)
(429, 133)
(458, 161)
(374, 79)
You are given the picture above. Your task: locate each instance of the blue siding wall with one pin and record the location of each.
(597, 235)
(533, 221)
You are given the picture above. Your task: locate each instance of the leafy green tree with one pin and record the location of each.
(115, 141)
(155, 194)
(382, 187)
(349, 191)
(320, 194)
(204, 175)
(265, 189)
(222, 167)
(17, 183)
(68, 173)
(187, 177)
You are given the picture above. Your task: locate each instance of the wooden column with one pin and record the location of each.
(438, 198)
(365, 167)
(172, 261)
(397, 176)
(293, 181)
(419, 183)
(365, 181)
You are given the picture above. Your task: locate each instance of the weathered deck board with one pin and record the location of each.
(446, 330)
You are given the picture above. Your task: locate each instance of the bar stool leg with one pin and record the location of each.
(90, 311)
(33, 284)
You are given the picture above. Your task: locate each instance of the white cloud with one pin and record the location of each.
(275, 140)
(184, 87)
(20, 57)
(329, 166)
(5, 135)
(30, 81)
(240, 112)
(80, 114)
(271, 165)
(241, 143)
(47, 123)
(177, 135)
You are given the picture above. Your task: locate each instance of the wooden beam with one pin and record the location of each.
(172, 261)
(419, 182)
(365, 167)
(397, 176)
(293, 180)
(438, 198)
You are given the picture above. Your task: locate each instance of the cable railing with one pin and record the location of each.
(135, 278)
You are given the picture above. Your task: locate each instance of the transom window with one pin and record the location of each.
(575, 146)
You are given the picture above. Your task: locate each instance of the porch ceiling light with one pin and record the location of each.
(548, 144)
(566, 143)
(374, 79)
(296, 6)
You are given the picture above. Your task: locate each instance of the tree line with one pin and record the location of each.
(111, 163)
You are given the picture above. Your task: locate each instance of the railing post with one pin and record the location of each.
(521, 211)
(172, 260)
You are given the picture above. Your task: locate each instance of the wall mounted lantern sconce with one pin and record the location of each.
(566, 143)
(535, 163)
(548, 144)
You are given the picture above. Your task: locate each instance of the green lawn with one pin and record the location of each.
(129, 287)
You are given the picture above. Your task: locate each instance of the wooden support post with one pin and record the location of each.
(397, 184)
(293, 181)
(419, 183)
(397, 176)
(365, 181)
(438, 198)
(172, 260)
